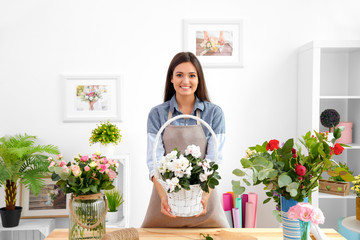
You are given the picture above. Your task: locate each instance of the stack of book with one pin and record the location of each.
(240, 210)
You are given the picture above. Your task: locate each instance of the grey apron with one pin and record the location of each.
(181, 137)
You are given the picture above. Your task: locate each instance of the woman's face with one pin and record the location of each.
(185, 79)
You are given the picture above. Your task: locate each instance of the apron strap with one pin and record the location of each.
(197, 114)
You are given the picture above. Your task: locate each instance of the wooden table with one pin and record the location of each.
(194, 233)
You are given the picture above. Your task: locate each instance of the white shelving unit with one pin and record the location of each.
(122, 183)
(329, 78)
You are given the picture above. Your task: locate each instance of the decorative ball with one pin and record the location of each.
(330, 118)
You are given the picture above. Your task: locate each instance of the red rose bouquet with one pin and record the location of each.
(291, 171)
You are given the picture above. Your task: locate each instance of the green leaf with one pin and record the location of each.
(237, 189)
(266, 200)
(239, 173)
(263, 174)
(93, 188)
(246, 163)
(337, 133)
(85, 190)
(284, 180)
(288, 146)
(246, 182)
(272, 173)
(260, 161)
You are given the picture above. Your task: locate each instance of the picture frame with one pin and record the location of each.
(215, 42)
(51, 202)
(92, 98)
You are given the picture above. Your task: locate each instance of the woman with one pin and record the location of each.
(185, 93)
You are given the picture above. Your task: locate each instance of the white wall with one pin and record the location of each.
(41, 39)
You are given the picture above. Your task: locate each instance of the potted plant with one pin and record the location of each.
(338, 183)
(356, 189)
(107, 135)
(21, 162)
(115, 199)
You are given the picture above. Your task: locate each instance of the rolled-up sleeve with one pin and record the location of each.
(218, 126)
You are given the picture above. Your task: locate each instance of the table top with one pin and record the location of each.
(194, 233)
(352, 224)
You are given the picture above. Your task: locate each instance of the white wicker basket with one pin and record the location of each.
(184, 203)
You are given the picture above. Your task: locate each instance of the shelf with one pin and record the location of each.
(353, 146)
(331, 196)
(339, 97)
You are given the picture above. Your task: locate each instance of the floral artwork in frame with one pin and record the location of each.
(91, 98)
(50, 202)
(215, 42)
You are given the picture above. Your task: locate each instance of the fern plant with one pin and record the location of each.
(21, 160)
(114, 198)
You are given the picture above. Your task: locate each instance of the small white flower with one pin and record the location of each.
(193, 150)
(171, 155)
(203, 177)
(171, 184)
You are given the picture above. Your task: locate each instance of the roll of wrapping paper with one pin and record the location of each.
(233, 197)
(249, 218)
(238, 204)
(244, 201)
(227, 206)
(236, 218)
(123, 234)
(253, 197)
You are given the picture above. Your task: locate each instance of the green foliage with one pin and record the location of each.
(340, 172)
(105, 133)
(21, 159)
(289, 170)
(114, 198)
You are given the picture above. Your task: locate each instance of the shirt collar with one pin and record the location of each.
(198, 104)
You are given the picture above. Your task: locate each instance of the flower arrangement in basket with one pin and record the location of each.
(105, 133)
(291, 171)
(84, 178)
(187, 172)
(185, 177)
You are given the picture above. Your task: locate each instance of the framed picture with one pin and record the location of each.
(92, 98)
(215, 42)
(49, 203)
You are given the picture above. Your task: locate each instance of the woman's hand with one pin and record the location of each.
(204, 200)
(165, 208)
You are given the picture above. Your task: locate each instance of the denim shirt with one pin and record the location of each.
(209, 112)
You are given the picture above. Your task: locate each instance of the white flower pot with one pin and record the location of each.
(112, 217)
(107, 150)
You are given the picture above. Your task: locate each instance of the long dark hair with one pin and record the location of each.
(201, 91)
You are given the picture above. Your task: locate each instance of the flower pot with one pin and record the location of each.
(358, 208)
(112, 217)
(107, 150)
(291, 228)
(10, 218)
(87, 216)
(334, 187)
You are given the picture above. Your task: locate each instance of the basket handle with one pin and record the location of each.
(168, 123)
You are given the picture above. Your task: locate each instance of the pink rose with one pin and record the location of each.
(306, 212)
(84, 158)
(62, 163)
(86, 168)
(112, 175)
(102, 168)
(76, 170)
(318, 217)
(52, 163)
(105, 160)
(59, 156)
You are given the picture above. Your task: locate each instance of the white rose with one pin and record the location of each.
(171, 155)
(188, 171)
(183, 162)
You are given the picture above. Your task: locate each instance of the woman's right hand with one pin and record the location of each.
(165, 208)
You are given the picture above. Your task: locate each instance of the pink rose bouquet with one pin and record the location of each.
(306, 214)
(86, 175)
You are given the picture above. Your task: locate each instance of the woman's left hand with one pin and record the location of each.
(204, 200)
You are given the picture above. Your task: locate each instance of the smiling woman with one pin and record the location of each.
(185, 93)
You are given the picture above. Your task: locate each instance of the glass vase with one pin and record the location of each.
(305, 230)
(87, 217)
(291, 228)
